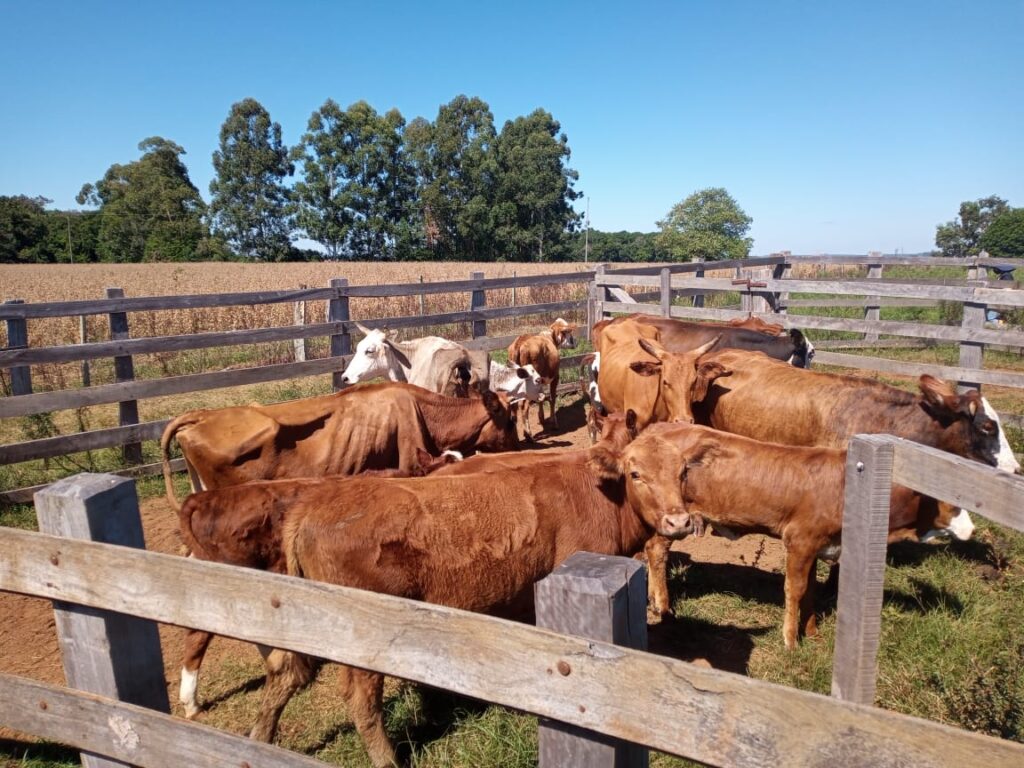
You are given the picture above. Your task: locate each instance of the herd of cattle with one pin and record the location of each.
(694, 425)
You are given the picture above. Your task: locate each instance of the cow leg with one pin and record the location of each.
(808, 616)
(554, 392)
(524, 408)
(196, 643)
(799, 561)
(364, 694)
(287, 672)
(656, 552)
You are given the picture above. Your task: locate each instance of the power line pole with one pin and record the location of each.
(586, 236)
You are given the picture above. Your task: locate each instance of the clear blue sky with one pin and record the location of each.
(840, 128)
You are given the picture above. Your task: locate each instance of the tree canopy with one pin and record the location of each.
(1004, 237)
(149, 209)
(708, 225)
(249, 205)
(962, 236)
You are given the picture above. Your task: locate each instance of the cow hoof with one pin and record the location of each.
(654, 616)
(528, 437)
(192, 712)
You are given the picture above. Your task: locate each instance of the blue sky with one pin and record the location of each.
(838, 129)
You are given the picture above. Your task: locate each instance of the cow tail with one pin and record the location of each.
(170, 432)
(289, 536)
(188, 537)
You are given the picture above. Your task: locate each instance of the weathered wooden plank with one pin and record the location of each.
(862, 568)
(986, 490)
(971, 351)
(695, 266)
(130, 734)
(666, 292)
(872, 308)
(754, 723)
(299, 320)
(903, 368)
(622, 296)
(111, 654)
(82, 441)
(24, 495)
(603, 598)
(477, 302)
(124, 371)
(860, 303)
(338, 312)
(464, 286)
(17, 341)
(148, 303)
(195, 382)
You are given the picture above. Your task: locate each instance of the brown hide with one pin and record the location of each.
(788, 492)
(541, 350)
(640, 375)
(377, 426)
(467, 542)
(774, 402)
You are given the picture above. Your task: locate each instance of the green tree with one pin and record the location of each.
(1004, 237)
(455, 166)
(357, 195)
(707, 226)
(149, 209)
(962, 236)
(22, 229)
(532, 209)
(249, 205)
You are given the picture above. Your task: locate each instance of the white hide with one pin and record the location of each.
(411, 361)
(521, 382)
(1005, 460)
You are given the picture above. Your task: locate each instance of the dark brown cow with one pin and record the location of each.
(378, 426)
(399, 537)
(249, 535)
(792, 493)
(638, 374)
(541, 350)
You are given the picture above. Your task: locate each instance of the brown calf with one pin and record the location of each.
(541, 350)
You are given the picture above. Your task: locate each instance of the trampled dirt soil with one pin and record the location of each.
(28, 642)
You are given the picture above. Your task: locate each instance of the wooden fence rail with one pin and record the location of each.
(715, 717)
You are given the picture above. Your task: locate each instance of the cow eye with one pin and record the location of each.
(370, 350)
(635, 475)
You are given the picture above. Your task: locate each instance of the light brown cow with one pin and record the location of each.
(248, 534)
(378, 426)
(638, 374)
(793, 493)
(399, 537)
(541, 350)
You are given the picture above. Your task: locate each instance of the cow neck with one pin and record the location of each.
(397, 371)
(453, 422)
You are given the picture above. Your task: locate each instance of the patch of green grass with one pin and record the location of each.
(42, 754)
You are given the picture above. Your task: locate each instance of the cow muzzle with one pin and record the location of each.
(679, 523)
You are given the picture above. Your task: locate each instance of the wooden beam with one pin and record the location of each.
(124, 371)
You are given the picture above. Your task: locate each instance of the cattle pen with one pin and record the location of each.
(707, 715)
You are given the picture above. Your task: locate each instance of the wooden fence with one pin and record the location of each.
(18, 357)
(716, 717)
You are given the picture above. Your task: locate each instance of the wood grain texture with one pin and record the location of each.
(83, 441)
(904, 368)
(668, 705)
(17, 341)
(24, 495)
(872, 309)
(124, 370)
(862, 568)
(130, 734)
(971, 350)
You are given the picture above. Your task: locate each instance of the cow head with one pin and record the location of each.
(972, 427)
(651, 471)
(499, 432)
(563, 333)
(684, 379)
(522, 382)
(375, 355)
(803, 350)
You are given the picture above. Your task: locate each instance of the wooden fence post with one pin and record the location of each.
(601, 598)
(17, 337)
(872, 312)
(107, 653)
(83, 338)
(422, 312)
(862, 568)
(666, 292)
(698, 298)
(124, 370)
(299, 318)
(337, 312)
(782, 272)
(595, 299)
(972, 353)
(746, 297)
(514, 275)
(478, 300)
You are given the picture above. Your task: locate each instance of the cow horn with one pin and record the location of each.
(362, 328)
(650, 349)
(705, 348)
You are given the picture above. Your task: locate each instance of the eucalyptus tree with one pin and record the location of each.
(962, 236)
(709, 225)
(249, 205)
(149, 209)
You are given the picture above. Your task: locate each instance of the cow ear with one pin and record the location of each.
(705, 454)
(399, 354)
(423, 457)
(938, 394)
(496, 409)
(362, 328)
(707, 372)
(605, 463)
(645, 368)
(631, 423)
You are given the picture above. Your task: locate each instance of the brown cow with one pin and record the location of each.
(399, 537)
(249, 535)
(638, 374)
(541, 350)
(793, 493)
(377, 426)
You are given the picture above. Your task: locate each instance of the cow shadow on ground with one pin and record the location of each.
(571, 417)
(245, 686)
(723, 646)
(695, 579)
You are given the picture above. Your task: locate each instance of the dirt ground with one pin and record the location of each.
(28, 642)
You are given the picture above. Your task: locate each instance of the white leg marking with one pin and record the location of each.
(961, 526)
(454, 454)
(187, 692)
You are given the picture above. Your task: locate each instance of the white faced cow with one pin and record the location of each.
(431, 362)
(521, 382)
